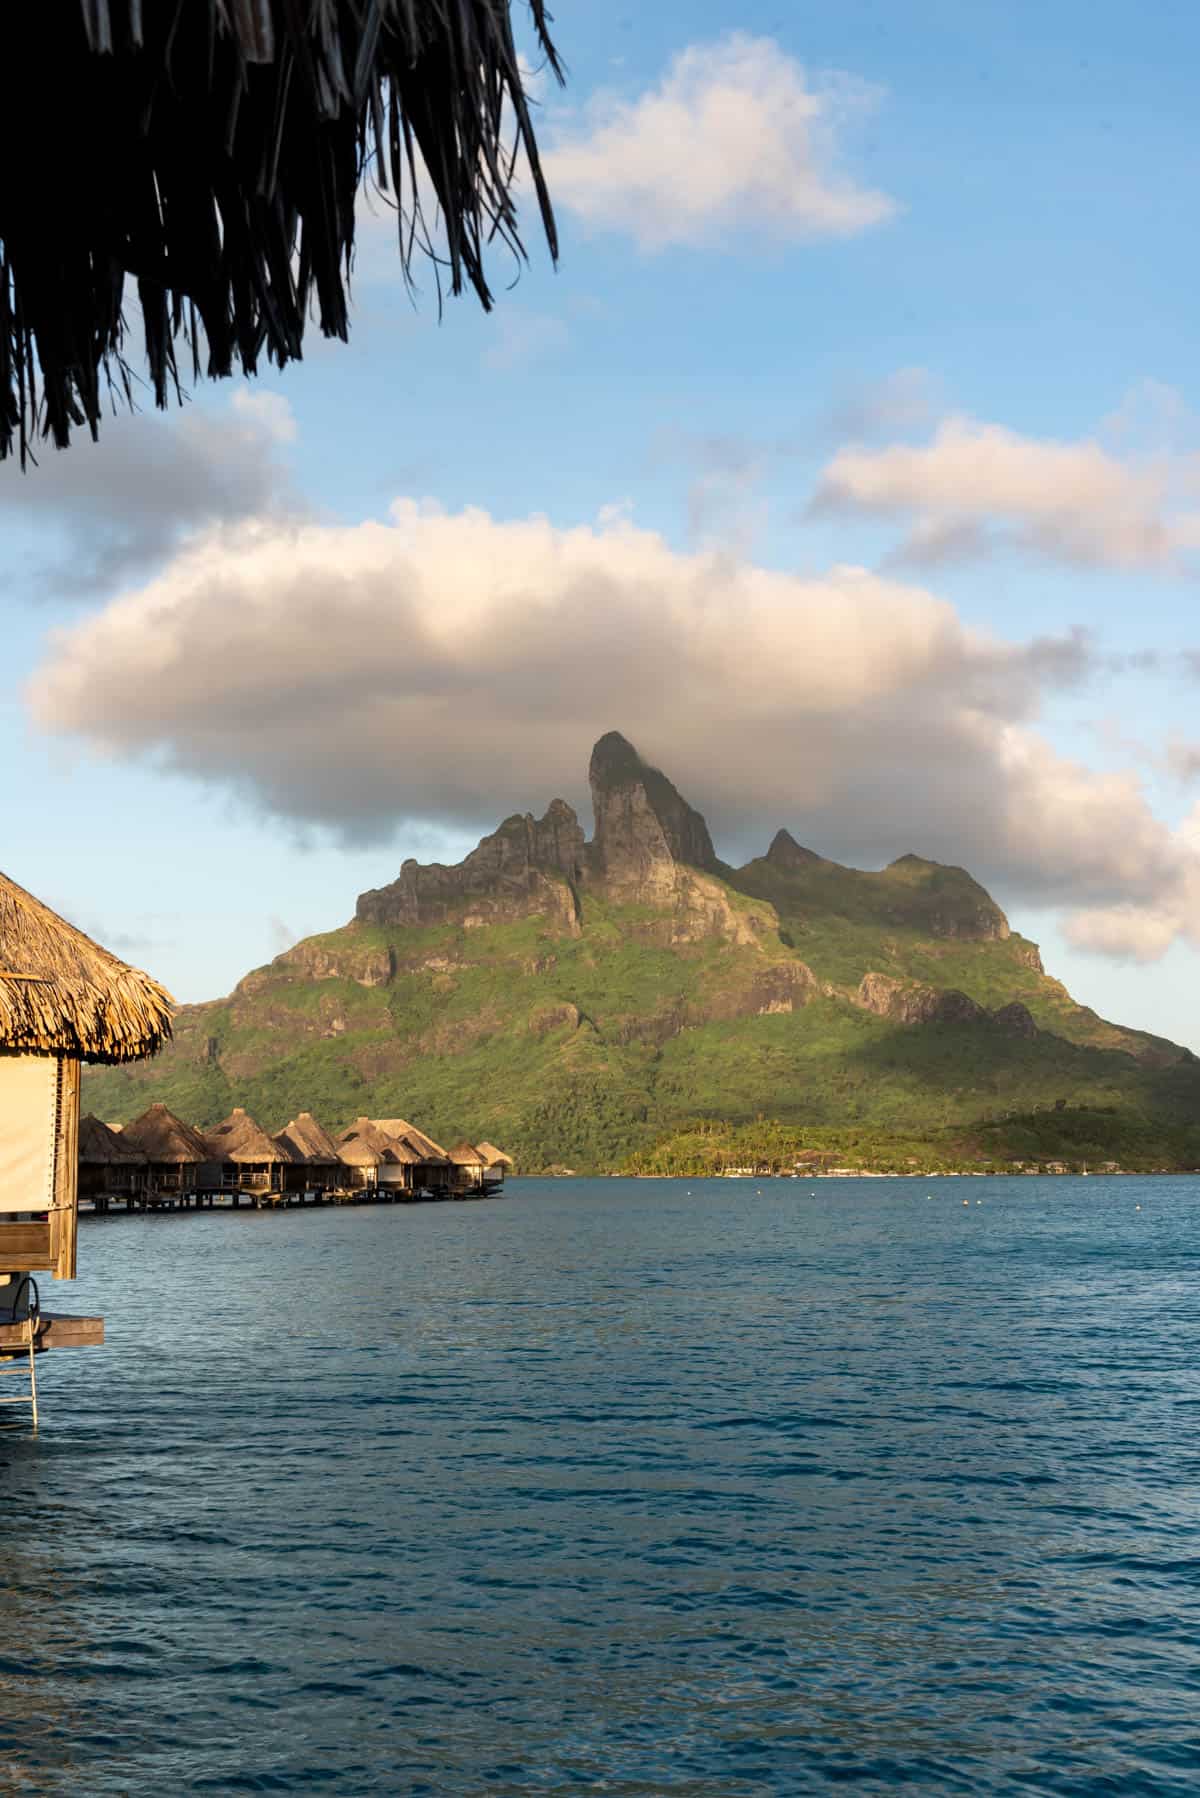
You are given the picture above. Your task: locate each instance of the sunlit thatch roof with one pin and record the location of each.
(364, 1144)
(305, 1140)
(494, 1157)
(209, 153)
(240, 1140)
(427, 1151)
(465, 1154)
(164, 1138)
(61, 993)
(99, 1146)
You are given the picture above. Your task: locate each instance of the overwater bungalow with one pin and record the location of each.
(468, 1168)
(110, 1166)
(63, 1000)
(433, 1170)
(242, 1158)
(174, 1153)
(496, 1164)
(377, 1160)
(315, 1165)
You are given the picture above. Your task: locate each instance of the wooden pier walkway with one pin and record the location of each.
(121, 1203)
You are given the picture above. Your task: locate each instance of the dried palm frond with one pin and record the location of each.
(212, 152)
(62, 994)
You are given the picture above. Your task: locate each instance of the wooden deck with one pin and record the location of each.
(55, 1331)
(257, 1199)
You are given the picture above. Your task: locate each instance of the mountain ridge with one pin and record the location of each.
(584, 999)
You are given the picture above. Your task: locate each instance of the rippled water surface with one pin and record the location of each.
(622, 1487)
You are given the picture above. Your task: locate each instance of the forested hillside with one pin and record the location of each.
(631, 1001)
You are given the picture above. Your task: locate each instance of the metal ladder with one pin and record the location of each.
(21, 1360)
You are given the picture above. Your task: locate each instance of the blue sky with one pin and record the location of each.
(904, 289)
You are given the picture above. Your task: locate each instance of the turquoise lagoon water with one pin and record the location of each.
(621, 1487)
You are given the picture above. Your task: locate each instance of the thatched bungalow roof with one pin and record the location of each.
(62, 994)
(493, 1157)
(102, 1147)
(365, 1144)
(305, 1140)
(165, 1139)
(240, 1140)
(427, 1151)
(465, 1154)
(210, 154)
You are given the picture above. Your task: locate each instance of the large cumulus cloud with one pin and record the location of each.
(454, 667)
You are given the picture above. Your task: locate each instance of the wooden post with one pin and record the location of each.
(66, 1168)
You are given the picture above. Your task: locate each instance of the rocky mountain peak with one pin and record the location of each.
(521, 864)
(643, 822)
(647, 838)
(947, 900)
(613, 758)
(786, 853)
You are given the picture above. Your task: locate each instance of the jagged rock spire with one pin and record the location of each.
(641, 819)
(786, 852)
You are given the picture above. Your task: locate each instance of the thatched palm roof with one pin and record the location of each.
(492, 1156)
(240, 1140)
(306, 1140)
(164, 1138)
(465, 1154)
(62, 994)
(364, 1144)
(104, 1147)
(427, 1150)
(211, 152)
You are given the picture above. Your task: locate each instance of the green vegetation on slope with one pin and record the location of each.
(1075, 1138)
(622, 1045)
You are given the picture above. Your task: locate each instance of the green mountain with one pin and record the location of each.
(633, 1002)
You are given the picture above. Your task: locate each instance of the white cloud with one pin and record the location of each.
(975, 485)
(265, 412)
(734, 140)
(451, 667)
(1143, 932)
(1138, 933)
